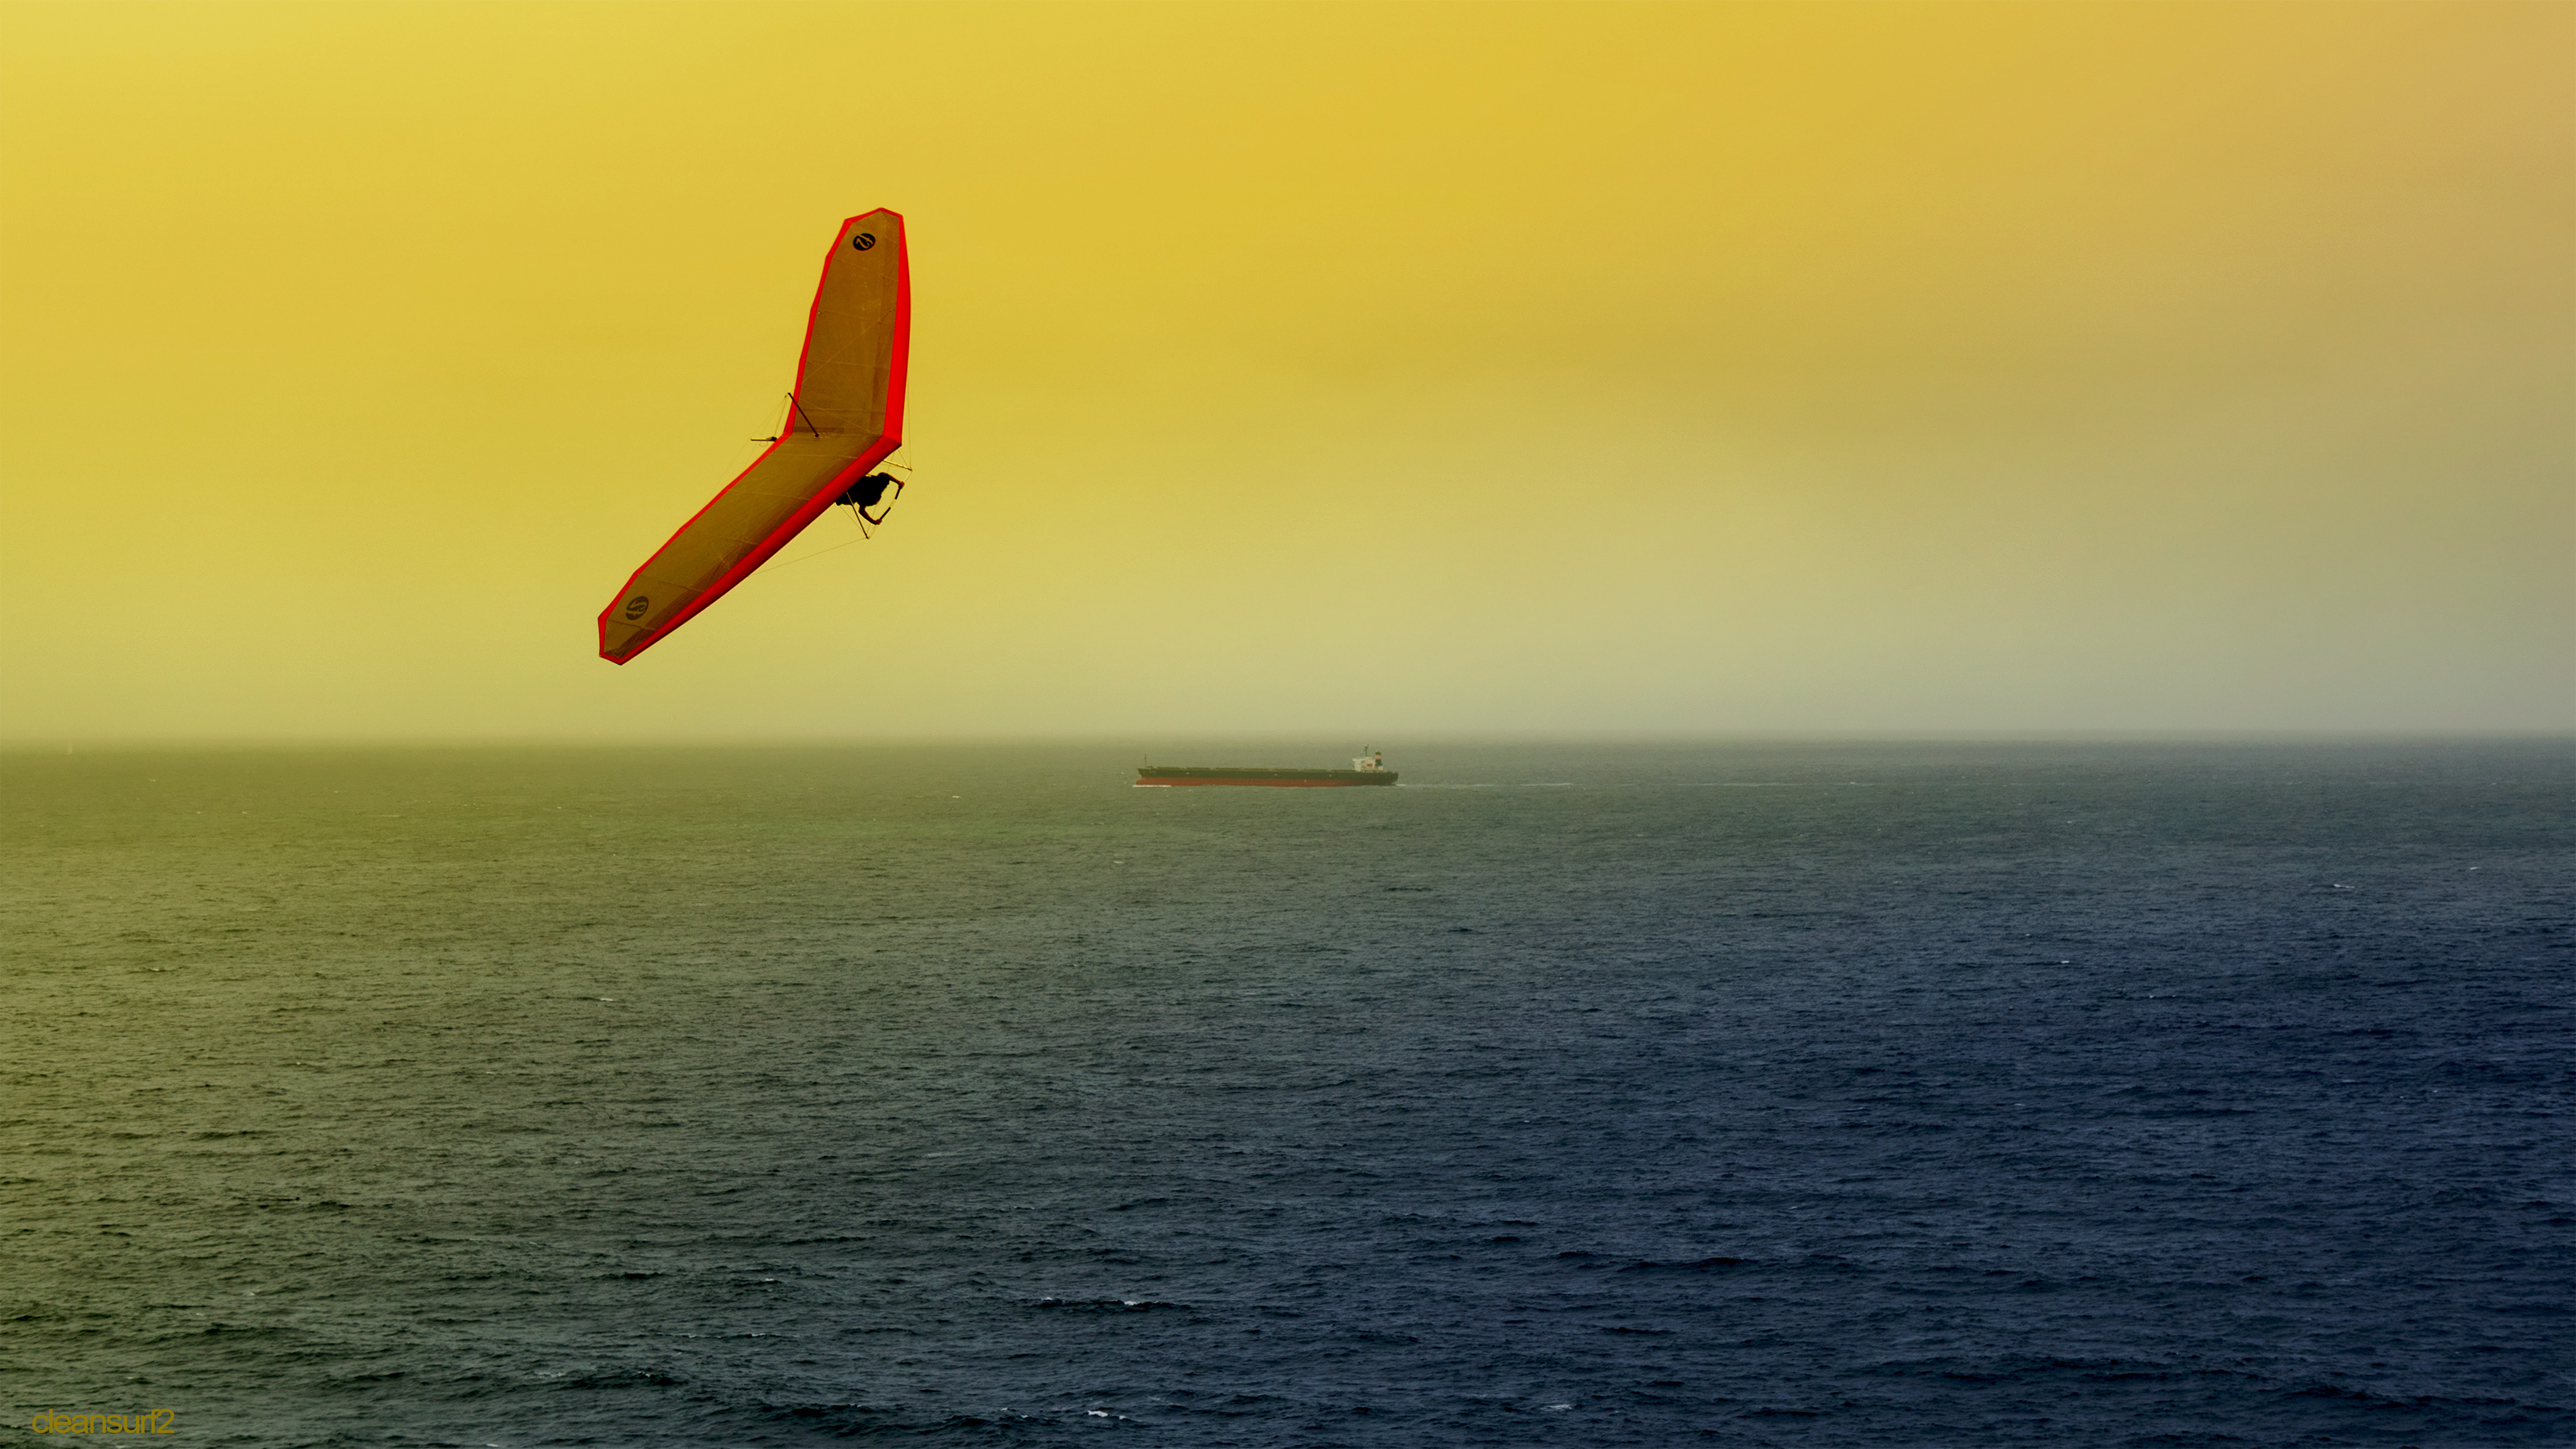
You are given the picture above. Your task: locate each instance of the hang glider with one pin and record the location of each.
(843, 419)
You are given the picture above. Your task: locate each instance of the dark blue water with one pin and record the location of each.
(1818, 1094)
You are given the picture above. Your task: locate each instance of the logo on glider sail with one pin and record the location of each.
(636, 606)
(864, 240)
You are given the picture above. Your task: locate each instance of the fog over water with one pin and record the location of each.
(1828, 1094)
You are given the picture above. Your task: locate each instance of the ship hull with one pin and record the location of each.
(1160, 775)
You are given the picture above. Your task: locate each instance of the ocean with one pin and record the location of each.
(1588, 1094)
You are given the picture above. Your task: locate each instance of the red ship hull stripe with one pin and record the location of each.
(1318, 784)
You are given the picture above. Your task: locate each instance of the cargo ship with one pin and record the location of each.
(1365, 770)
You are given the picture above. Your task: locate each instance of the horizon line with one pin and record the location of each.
(74, 744)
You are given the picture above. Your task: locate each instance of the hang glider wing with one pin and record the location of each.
(847, 415)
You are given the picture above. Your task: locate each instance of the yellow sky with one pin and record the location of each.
(1347, 369)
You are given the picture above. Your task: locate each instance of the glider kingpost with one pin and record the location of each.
(843, 419)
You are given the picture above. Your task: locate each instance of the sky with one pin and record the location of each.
(1378, 369)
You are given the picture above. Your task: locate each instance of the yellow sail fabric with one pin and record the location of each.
(845, 418)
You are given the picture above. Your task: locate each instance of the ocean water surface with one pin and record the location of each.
(1793, 1094)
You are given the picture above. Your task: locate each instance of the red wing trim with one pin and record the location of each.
(902, 368)
(761, 553)
(812, 509)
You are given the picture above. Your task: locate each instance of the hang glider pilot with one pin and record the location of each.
(863, 495)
